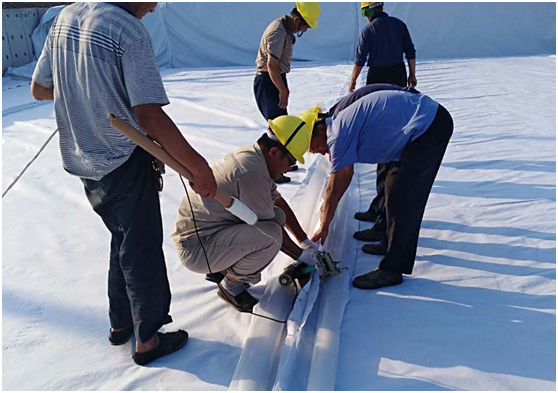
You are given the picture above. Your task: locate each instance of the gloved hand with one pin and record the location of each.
(308, 256)
(307, 243)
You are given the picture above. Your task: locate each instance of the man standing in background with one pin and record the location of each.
(382, 42)
(98, 58)
(274, 61)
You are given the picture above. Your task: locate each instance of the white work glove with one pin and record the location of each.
(308, 256)
(307, 243)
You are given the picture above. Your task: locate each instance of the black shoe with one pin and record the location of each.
(215, 277)
(377, 279)
(375, 249)
(283, 179)
(369, 235)
(168, 343)
(367, 216)
(293, 168)
(122, 336)
(243, 302)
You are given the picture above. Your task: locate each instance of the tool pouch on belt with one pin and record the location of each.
(158, 169)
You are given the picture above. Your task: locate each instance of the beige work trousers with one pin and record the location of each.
(241, 250)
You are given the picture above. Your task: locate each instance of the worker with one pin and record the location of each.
(382, 127)
(273, 61)
(98, 59)
(382, 44)
(210, 240)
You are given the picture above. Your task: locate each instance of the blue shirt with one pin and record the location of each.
(383, 41)
(378, 127)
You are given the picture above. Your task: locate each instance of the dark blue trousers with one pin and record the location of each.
(396, 74)
(267, 96)
(127, 200)
(409, 194)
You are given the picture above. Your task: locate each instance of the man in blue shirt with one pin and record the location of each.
(382, 43)
(380, 127)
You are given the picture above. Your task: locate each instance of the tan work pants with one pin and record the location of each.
(242, 250)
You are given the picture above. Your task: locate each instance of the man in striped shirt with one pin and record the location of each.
(98, 58)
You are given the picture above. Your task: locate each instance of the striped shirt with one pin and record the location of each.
(98, 58)
(277, 41)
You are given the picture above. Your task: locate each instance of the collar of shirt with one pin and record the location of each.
(380, 15)
(285, 23)
(124, 6)
(260, 152)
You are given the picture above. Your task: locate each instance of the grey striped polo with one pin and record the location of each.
(277, 41)
(98, 58)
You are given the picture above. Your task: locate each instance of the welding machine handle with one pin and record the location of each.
(231, 204)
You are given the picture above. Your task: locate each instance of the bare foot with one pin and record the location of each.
(149, 345)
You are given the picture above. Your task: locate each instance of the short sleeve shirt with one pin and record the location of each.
(378, 127)
(243, 175)
(277, 41)
(99, 59)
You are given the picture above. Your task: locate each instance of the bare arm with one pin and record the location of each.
(412, 72)
(337, 185)
(275, 75)
(292, 223)
(162, 129)
(356, 72)
(41, 93)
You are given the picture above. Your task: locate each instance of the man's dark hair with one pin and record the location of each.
(295, 12)
(266, 143)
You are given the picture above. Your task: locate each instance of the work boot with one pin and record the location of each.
(376, 249)
(168, 343)
(243, 302)
(369, 235)
(368, 216)
(282, 179)
(293, 168)
(377, 279)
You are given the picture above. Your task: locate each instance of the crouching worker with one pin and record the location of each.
(381, 127)
(229, 251)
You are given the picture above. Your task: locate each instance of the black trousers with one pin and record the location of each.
(127, 200)
(396, 74)
(406, 202)
(267, 96)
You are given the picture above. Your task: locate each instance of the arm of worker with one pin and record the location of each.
(362, 51)
(337, 185)
(412, 81)
(292, 223)
(41, 93)
(356, 72)
(42, 85)
(275, 75)
(410, 55)
(153, 119)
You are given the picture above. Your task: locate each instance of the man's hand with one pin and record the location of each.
(204, 182)
(307, 243)
(320, 235)
(412, 80)
(352, 86)
(283, 98)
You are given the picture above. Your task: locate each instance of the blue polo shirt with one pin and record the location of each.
(378, 127)
(383, 41)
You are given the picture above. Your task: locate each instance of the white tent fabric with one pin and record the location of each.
(228, 34)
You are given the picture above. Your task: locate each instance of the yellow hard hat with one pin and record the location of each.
(293, 133)
(367, 4)
(310, 115)
(310, 12)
